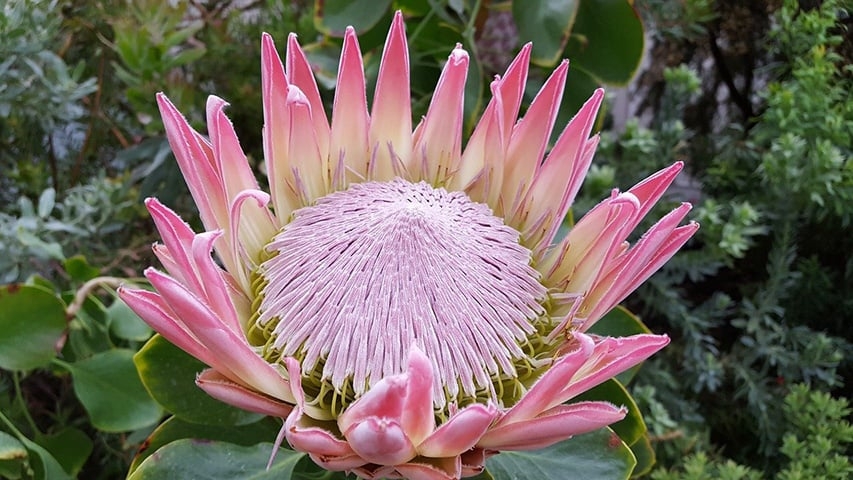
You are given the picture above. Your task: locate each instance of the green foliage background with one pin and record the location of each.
(753, 96)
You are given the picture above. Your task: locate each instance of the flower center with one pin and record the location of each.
(357, 279)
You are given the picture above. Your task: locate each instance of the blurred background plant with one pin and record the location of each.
(753, 96)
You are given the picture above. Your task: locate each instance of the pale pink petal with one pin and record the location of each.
(418, 417)
(544, 394)
(528, 142)
(676, 240)
(629, 270)
(386, 399)
(480, 173)
(438, 141)
(231, 161)
(164, 255)
(349, 115)
(304, 435)
(151, 308)
(299, 73)
(563, 171)
(178, 238)
(448, 468)
(252, 227)
(595, 239)
(276, 130)
(552, 426)
(235, 357)
(612, 356)
(310, 171)
(512, 89)
(474, 461)
(380, 440)
(214, 288)
(224, 389)
(197, 166)
(649, 191)
(391, 121)
(459, 433)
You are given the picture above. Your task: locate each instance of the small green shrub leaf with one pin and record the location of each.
(79, 269)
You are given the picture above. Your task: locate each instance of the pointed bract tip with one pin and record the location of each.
(458, 55)
(267, 42)
(295, 96)
(627, 197)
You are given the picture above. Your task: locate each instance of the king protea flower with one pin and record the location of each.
(401, 302)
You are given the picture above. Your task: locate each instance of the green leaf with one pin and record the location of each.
(547, 23)
(110, 390)
(632, 427)
(175, 429)
(44, 466)
(579, 87)
(645, 455)
(332, 17)
(125, 323)
(619, 322)
(70, 447)
(607, 40)
(13, 454)
(190, 459)
(599, 455)
(33, 322)
(169, 373)
(78, 268)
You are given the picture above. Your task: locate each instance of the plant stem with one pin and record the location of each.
(19, 396)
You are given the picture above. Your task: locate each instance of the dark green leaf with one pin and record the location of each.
(598, 455)
(174, 428)
(44, 466)
(169, 373)
(607, 40)
(70, 447)
(109, 388)
(645, 455)
(125, 323)
(190, 459)
(547, 23)
(332, 17)
(631, 428)
(13, 454)
(619, 322)
(32, 320)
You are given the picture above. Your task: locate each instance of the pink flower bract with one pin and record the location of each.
(399, 301)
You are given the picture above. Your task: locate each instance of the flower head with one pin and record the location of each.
(401, 301)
